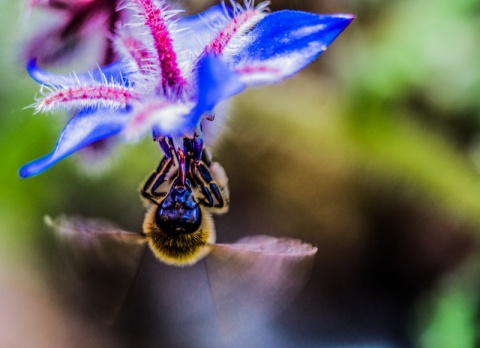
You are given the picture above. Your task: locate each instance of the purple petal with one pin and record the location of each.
(83, 129)
(115, 72)
(284, 42)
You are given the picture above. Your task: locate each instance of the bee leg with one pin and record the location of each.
(156, 179)
(215, 197)
(159, 176)
(220, 178)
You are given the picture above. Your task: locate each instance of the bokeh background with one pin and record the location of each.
(372, 154)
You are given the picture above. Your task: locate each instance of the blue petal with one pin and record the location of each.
(203, 27)
(202, 22)
(115, 72)
(216, 82)
(286, 41)
(86, 127)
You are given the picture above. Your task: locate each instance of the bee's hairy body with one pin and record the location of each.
(183, 192)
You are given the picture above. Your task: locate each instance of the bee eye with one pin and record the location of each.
(178, 212)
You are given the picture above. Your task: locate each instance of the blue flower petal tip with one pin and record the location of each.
(36, 167)
(341, 22)
(37, 74)
(24, 172)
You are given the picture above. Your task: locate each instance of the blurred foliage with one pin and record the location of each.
(450, 316)
(372, 154)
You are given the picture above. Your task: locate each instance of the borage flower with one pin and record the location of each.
(174, 72)
(171, 77)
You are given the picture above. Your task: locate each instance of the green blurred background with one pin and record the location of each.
(372, 154)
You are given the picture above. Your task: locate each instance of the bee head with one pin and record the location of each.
(179, 229)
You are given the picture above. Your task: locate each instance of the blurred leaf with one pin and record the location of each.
(448, 317)
(368, 139)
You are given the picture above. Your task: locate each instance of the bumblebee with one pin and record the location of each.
(183, 193)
